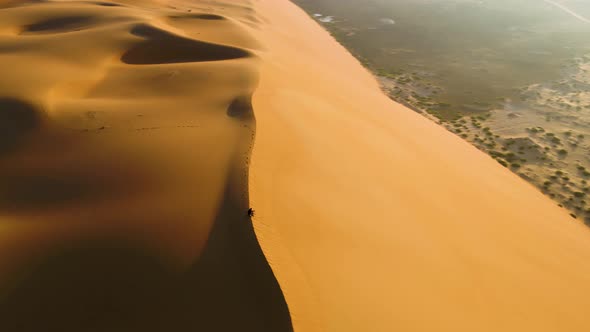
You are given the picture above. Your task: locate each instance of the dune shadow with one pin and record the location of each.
(93, 287)
(58, 24)
(107, 284)
(241, 107)
(199, 16)
(17, 119)
(162, 47)
(28, 191)
(235, 278)
(107, 4)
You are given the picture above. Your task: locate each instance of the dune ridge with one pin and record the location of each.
(125, 136)
(373, 218)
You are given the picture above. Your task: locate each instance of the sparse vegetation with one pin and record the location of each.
(544, 146)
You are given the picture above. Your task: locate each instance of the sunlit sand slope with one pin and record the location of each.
(125, 133)
(375, 219)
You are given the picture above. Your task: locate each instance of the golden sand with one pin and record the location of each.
(376, 219)
(125, 136)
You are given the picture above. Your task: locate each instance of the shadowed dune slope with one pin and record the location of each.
(375, 219)
(124, 150)
(162, 47)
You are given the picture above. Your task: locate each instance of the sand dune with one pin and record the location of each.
(124, 143)
(375, 219)
(125, 136)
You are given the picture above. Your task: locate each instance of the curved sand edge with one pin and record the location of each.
(376, 219)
